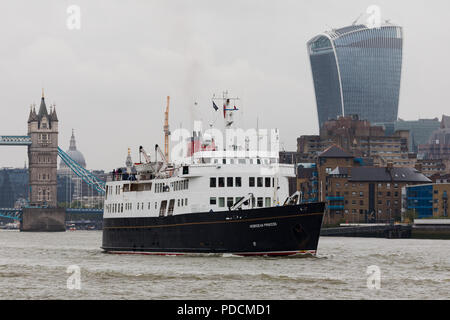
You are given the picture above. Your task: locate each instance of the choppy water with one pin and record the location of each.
(34, 265)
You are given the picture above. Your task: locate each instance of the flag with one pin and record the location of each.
(215, 107)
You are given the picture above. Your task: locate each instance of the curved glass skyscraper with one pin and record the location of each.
(357, 70)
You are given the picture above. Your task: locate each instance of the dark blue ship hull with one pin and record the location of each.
(282, 230)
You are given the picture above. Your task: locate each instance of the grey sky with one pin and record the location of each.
(110, 79)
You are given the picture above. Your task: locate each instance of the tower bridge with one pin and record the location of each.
(42, 212)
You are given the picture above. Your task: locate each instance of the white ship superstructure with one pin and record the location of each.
(208, 184)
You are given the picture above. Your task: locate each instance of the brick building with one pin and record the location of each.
(357, 193)
(361, 139)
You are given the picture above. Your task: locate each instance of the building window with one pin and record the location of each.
(221, 202)
(267, 182)
(212, 201)
(268, 201)
(221, 182)
(238, 182)
(212, 182)
(229, 181)
(230, 202)
(251, 181)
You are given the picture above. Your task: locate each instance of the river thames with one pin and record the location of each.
(35, 266)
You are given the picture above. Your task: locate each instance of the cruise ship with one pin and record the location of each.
(211, 202)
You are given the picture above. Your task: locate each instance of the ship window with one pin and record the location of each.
(212, 182)
(229, 181)
(221, 202)
(148, 206)
(224, 161)
(238, 182)
(229, 202)
(156, 205)
(121, 207)
(221, 182)
(267, 182)
(212, 201)
(171, 205)
(268, 202)
(178, 202)
(138, 206)
(185, 202)
(260, 202)
(162, 209)
(259, 181)
(251, 181)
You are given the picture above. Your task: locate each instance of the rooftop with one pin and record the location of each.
(335, 151)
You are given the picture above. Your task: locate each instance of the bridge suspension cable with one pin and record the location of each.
(84, 174)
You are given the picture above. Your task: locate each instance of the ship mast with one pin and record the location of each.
(229, 106)
(166, 130)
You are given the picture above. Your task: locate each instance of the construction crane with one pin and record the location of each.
(166, 131)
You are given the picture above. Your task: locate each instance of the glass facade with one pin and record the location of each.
(420, 131)
(357, 70)
(420, 200)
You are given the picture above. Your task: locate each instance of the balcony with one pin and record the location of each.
(336, 207)
(335, 198)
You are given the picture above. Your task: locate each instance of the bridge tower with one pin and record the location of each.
(42, 155)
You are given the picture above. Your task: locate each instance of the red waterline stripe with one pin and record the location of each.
(275, 253)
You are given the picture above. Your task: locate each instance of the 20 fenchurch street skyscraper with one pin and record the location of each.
(357, 70)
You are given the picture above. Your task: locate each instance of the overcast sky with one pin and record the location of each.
(110, 79)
